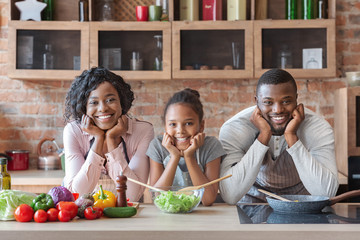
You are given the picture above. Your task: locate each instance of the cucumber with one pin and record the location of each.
(120, 212)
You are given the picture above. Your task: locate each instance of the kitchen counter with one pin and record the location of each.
(218, 222)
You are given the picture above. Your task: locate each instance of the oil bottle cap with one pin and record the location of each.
(3, 160)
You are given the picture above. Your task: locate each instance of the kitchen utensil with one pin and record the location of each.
(144, 184)
(19, 159)
(274, 195)
(48, 159)
(205, 184)
(307, 203)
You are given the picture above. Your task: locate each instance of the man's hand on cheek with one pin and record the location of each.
(298, 117)
(260, 123)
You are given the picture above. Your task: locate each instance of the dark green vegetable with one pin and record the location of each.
(120, 212)
(43, 201)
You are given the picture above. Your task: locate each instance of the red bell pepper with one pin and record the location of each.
(68, 206)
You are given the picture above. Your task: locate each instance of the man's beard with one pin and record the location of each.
(279, 131)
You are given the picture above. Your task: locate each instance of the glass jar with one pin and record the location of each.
(48, 12)
(48, 57)
(83, 10)
(322, 9)
(285, 58)
(106, 10)
(291, 9)
(307, 10)
(158, 53)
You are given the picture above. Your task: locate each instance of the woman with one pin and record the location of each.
(100, 139)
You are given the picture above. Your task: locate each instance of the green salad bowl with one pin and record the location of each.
(171, 200)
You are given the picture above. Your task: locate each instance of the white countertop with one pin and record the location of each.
(218, 222)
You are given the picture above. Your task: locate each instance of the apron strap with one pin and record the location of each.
(124, 146)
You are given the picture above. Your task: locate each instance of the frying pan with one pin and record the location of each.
(307, 203)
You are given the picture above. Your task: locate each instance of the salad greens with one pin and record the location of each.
(10, 200)
(173, 202)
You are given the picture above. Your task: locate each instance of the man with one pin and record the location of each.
(277, 145)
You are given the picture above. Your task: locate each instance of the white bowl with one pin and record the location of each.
(170, 200)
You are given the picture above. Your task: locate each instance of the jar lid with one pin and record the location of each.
(3, 160)
(17, 151)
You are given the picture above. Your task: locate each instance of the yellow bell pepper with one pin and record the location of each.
(104, 199)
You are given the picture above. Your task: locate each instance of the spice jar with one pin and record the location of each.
(106, 10)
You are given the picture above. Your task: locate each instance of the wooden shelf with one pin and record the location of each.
(255, 36)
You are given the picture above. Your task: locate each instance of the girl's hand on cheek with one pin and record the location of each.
(118, 129)
(168, 143)
(195, 143)
(87, 125)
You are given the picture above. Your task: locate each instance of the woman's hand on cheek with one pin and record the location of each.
(87, 125)
(168, 143)
(195, 143)
(118, 129)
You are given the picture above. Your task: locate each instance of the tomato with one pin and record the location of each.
(52, 214)
(24, 213)
(68, 206)
(64, 216)
(99, 212)
(40, 216)
(130, 204)
(90, 213)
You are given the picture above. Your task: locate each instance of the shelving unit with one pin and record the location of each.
(186, 44)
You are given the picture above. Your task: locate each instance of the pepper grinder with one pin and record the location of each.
(121, 190)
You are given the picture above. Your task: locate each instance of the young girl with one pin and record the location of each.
(100, 139)
(183, 156)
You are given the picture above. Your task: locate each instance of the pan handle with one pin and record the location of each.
(344, 196)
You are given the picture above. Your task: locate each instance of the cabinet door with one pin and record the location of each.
(305, 48)
(69, 50)
(127, 38)
(212, 50)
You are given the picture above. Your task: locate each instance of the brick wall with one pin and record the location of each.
(31, 110)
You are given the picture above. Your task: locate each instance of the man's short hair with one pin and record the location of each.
(275, 76)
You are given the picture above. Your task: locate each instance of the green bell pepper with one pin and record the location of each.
(43, 201)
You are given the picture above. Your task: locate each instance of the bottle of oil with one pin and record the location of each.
(5, 179)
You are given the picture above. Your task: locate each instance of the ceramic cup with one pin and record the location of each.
(142, 13)
(155, 13)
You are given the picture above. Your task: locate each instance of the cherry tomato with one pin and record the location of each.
(90, 213)
(68, 206)
(52, 214)
(64, 216)
(99, 211)
(40, 216)
(24, 213)
(130, 204)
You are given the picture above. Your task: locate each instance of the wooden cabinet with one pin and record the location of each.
(133, 37)
(274, 39)
(186, 46)
(69, 47)
(347, 129)
(205, 49)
